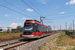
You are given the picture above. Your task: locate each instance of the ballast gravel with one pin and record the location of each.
(35, 44)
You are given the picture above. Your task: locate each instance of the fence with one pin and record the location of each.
(70, 33)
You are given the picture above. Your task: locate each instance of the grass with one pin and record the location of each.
(39, 48)
(49, 49)
(74, 48)
(44, 44)
(60, 38)
(5, 36)
(65, 40)
(60, 42)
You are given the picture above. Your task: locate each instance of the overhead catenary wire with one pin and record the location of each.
(35, 7)
(48, 19)
(14, 10)
(12, 19)
(61, 14)
(30, 7)
(18, 8)
(47, 22)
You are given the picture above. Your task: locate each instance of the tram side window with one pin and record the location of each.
(35, 28)
(47, 30)
(43, 29)
(39, 28)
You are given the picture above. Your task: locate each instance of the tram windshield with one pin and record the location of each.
(27, 28)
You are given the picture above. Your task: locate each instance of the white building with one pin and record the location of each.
(2, 29)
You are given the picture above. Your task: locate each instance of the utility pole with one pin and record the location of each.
(60, 27)
(73, 25)
(66, 25)
(41, 19)
(54, 27)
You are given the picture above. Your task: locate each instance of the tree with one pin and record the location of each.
(20, 28)
(16, 31)
(8, 31)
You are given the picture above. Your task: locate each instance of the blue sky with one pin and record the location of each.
(60, 11)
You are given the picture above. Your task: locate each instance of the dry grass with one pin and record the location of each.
(60, 42)
(4, 36)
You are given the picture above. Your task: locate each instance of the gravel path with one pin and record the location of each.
(35, 44)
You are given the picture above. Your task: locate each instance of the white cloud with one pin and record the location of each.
(28, 9)
(26, 18)
(71, 2)
(23, 18)
(17, 17)
(7, 15)
(43, 1)
(61, 12)
(14, 25)
(71, 6)
(67, 3)
(72, 17)
(19, 23)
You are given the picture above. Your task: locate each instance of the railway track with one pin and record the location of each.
(12, 45)
(15, 44)
(8, 44)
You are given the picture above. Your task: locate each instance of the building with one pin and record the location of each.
(3, 29)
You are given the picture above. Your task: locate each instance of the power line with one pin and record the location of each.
(17, 7)
(13, 10)
(48, 22)
(7, 18)
(12, 19)
(35, 7)
(48, 19)
(61, 14)
(31, 7)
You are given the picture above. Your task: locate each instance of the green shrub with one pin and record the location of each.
(0, 39)
(49, 49)
(44, 44)
(14, 37)
(21, 35)
(7, 31)
(68, 33)
(74, 48)
(16, 31)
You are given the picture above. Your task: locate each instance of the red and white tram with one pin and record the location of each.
(35, 29)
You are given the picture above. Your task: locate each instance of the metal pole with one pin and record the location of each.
(40, 18)
(66, 25)
(54, 27)
(73, 25)
(42, 21)
(60, 28)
